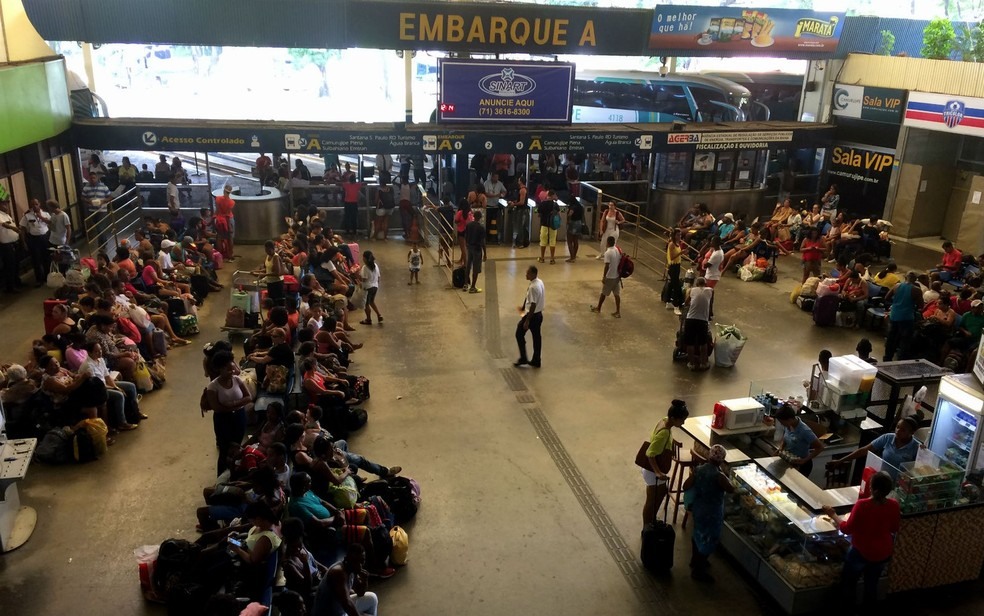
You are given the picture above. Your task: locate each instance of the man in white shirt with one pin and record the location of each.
(696, 335)
(59, 225)
(611, 281)
(173, 197)
(712, 273)
(164, 256)
(35, 225)
(494, 189)
(9, 241)
(95, 196)
(531, 320)
(117, 392)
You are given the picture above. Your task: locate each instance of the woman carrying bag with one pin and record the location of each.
(704, 492)
(657, 453)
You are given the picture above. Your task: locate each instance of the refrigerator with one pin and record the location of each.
(956, 434)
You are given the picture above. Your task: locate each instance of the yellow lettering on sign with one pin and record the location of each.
(476, 33)
(313, 144)
(535, 145)
(406, 26)
(588, 34)
(541, 31)
(444, 145)
(520, 31)
(497, 30)
(456, 28)
(560, 32)
(431, 31)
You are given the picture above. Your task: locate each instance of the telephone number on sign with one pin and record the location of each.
(504, 111)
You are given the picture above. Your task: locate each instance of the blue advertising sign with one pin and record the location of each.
(507, 92)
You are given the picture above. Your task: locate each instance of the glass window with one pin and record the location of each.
(745, 170)
(712, 105)
(673, 170)
(724, 171)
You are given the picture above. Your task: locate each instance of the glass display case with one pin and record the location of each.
(801, 546)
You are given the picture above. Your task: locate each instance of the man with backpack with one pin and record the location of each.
(611, 279)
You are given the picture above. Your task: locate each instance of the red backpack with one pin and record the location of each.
(625, 265)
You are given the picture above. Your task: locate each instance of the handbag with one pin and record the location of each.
(663, 460)
(235, 317)
(56, 279)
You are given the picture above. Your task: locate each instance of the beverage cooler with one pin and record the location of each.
(956, 431)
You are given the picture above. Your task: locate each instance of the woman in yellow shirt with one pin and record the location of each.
(673, 293)
(658, 455)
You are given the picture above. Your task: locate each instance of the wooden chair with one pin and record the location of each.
(681, 462)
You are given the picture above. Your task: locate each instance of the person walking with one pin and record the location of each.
(370, 284)
(674, 258)
(475, 246)
(709, 484)
(35, 224)
(520, 231)
(575, 225)
(696, 335)
(611, 281)
(905, 300)
(225, 222)
(532, 319)
(414, 260)
(611, 218)
(873, 524)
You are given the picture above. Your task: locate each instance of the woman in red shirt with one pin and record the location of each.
(225, 223)
(872, 526)
(812, 249)
(462, 217)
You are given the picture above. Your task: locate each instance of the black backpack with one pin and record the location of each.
(176, 559)
(55, 447)
(398, 494)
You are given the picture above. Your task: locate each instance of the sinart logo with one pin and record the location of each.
(508, 83)
(149, 138)
(953, 113)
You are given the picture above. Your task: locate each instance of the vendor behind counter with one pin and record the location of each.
(894, 448)
(799, 443)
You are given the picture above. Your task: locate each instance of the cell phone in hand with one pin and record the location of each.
(236, 542)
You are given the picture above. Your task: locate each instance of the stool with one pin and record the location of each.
(681, 462)
(836, 476)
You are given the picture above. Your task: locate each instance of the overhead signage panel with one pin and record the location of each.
(728, 140)
(862, 174)
(869, 103)
(509, 92)
(945, 113)
(734, 31)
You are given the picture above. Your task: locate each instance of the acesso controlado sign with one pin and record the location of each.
(514, 92)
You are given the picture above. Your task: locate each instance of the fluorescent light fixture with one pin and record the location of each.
(960, 397)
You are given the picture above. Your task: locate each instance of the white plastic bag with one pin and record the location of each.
(728, 343)
(359, 298)
(749, 273)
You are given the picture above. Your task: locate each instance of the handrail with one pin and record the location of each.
(437, 233)
(118, 217)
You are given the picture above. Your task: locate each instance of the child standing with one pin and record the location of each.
(370, 284)
(414, 260)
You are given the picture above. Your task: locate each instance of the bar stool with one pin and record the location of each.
(681, 462)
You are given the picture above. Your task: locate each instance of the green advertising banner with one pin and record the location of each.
(34, 103)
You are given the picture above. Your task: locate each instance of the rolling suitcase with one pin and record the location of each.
(658, 538)
(825, 310)
(200, 286)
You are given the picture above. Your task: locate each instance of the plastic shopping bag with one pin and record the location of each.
(729, 341)
(359, 297)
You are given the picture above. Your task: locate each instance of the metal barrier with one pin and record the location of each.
(437, 233)
(122, 216)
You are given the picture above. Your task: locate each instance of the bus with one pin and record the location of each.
(631, 97)
(776, 96)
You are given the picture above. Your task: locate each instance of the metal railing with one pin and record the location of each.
(436, 233)
(122, 216)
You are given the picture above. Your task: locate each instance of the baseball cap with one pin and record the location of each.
(729, 216)
(976, 303)
(165, 244)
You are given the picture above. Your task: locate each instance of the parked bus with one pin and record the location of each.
(775, 96)
(625, 96)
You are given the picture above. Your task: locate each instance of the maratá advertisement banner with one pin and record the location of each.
(733, 31)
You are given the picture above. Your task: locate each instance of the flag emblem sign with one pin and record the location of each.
(953, 113)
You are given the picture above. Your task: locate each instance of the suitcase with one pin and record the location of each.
(825, 310)
(200, 286)
(459, 278)
(658, 538)
(158, 343)
(176, 307)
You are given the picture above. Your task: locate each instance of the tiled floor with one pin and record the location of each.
(531, 501)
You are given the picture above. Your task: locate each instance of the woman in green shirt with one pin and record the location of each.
(659, 454)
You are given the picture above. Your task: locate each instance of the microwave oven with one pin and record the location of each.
(742, 413)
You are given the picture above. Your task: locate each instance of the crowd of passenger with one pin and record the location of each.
(936, 314)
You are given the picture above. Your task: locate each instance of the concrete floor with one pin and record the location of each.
(531, 500)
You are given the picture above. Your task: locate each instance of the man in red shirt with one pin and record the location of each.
(264, 169)
(951, 265)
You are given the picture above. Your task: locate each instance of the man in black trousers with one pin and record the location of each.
(531, 320)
